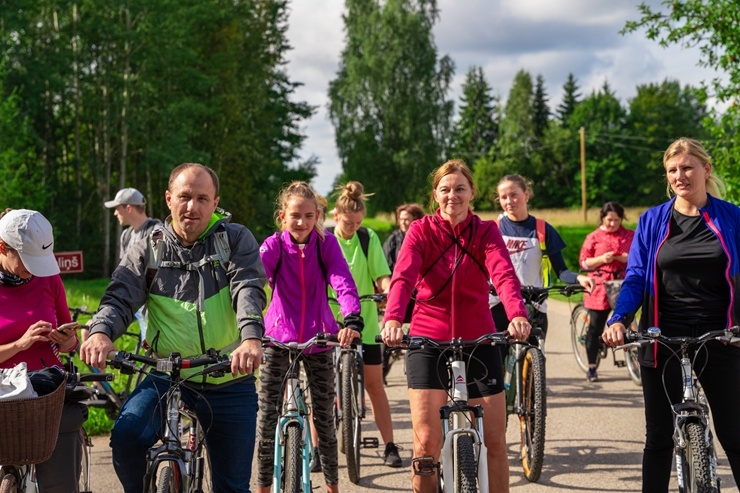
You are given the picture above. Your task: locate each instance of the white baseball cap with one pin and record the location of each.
(126, 196)
(31, 235)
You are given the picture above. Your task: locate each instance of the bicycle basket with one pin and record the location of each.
(29, 427)
(612, 291)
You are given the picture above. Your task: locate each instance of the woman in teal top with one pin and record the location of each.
(367, 270)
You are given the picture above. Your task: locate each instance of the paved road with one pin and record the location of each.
(594, 432)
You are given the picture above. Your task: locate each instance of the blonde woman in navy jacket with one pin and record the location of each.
(683, 268)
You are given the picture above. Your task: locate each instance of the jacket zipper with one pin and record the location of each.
(303, 294)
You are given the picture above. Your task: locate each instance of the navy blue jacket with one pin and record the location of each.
(640, 285)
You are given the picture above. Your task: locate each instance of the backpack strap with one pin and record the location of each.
(547, 278)
(363, 235)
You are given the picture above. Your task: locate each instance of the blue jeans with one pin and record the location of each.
(228, 414)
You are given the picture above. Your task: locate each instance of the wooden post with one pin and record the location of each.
(582, 131)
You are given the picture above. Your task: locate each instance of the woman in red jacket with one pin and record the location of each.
(447, 258)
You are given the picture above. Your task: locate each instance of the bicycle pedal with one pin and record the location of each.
(370, 442)
(620, 364)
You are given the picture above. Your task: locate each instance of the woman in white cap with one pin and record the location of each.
(33, 305)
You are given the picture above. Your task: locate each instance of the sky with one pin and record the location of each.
(551, 38)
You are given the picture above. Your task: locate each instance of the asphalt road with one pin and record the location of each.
(595, 432)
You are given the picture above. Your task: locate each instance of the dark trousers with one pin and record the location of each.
(718, 367)
(596, 322)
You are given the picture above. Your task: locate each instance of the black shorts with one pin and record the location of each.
(371, 354)
(427, 369)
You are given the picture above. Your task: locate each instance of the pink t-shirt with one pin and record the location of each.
(43, 298)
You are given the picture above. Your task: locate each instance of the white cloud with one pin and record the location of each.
(551, 38)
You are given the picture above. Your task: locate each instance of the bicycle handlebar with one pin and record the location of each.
(492, 339)
(322, 339)
(376, 297)
(535, 293)
(124, 361)
(653, 335)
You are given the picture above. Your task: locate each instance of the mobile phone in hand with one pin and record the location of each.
(65, 328)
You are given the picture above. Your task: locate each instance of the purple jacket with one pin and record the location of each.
(299, 308)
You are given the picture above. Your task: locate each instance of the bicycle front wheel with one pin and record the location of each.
(169, 480)
(579, 320)
(532, 420)
(466, 465)
(351, 432)
(695, 466)
(292, 459)
(8, 484)
(84, 484)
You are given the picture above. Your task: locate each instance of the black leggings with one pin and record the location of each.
(596, 322)
(720, 379)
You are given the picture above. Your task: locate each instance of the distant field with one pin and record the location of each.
(574, 217)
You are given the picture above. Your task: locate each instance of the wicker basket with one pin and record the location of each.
(612, 291)
(29, 428)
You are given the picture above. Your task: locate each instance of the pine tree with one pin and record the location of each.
(476, 132)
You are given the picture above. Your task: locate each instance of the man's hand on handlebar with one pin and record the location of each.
(247, 357)
(613, 335)
(519, 328)
(95, 349)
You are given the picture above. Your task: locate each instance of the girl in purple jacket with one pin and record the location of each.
(300, 261)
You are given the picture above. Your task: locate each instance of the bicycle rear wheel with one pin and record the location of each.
(695, 468)
(579, 320)
(532, 421)
(292, 459)
(351, 431)
(466, 465)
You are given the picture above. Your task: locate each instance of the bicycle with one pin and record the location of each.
(106, 397)
(525, 366)
(579, 322)
(293, 446)
(18, 471)
(350, 384)
(172, 468)
(463, 467)
(694, 451)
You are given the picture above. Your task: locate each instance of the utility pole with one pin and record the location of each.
(582, 131)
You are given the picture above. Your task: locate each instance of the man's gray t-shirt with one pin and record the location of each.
(131, 235)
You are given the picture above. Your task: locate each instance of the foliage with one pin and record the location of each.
(711, 26)
(476, 131)
(388, 101)
(116, 94)
(571, 98)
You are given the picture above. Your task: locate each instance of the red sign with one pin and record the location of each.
(69, 262)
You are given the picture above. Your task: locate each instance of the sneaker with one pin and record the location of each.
(592, 376)
(391, 457)
(315, 461)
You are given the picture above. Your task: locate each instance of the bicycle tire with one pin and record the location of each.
(696, 466)
(9, 484)
(579, 320)
(466, 465)
(292, 459)
(633, 366)
(351, 431)
(84, 483)
(532, 421)
(168, 480)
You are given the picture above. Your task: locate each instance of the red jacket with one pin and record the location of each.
(452, 288)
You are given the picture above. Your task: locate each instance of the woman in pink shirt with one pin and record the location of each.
(34, 305)
(447, 259)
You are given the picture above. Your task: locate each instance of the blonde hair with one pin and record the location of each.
(352, 198)
(693, 147)
(301, 190)
(448, 168)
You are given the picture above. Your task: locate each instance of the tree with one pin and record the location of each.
(388, 101)
(711, 26)
(571, 98)
(540, 107)
(476, 132)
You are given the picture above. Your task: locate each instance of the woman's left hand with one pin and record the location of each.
(346, 336)
(587, 283)
(519, 328)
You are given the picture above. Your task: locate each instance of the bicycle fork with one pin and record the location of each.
(459, 411)
(293, 412)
